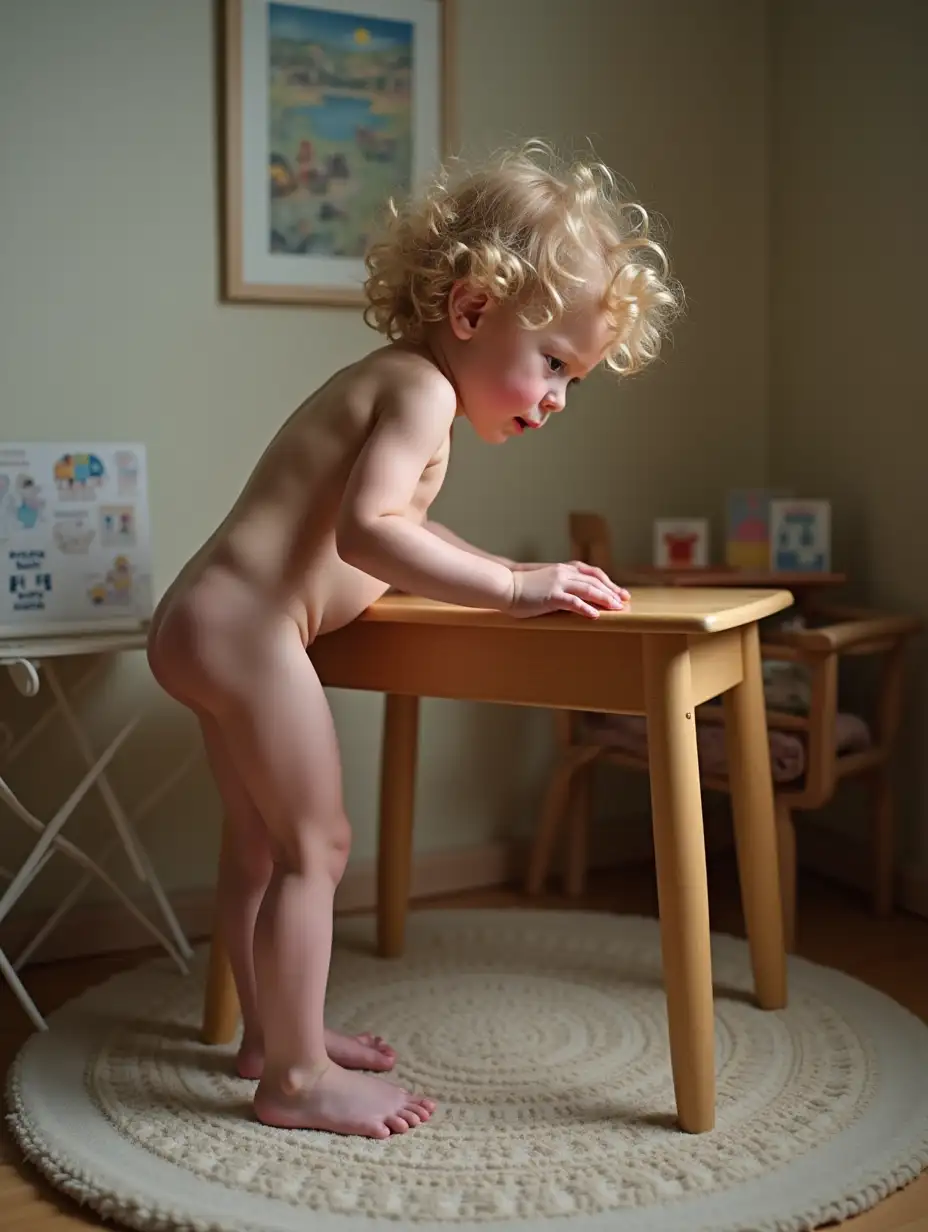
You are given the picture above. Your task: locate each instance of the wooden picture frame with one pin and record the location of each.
(359, 95)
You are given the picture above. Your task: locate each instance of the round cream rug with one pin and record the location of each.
(544, 1037)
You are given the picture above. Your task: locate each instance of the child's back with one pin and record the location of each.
(277, 547)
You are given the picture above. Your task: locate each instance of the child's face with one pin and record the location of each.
(510, 379)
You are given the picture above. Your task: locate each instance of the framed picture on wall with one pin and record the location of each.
(681, 543)
(330, 108)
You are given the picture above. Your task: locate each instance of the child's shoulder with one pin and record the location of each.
(402, 369)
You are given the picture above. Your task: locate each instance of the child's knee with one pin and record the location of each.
(320, 844)
(249, 857)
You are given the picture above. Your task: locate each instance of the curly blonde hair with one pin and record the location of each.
(525, 229)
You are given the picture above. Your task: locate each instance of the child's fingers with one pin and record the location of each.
(573, 603)
(601, 576)
(594, 591)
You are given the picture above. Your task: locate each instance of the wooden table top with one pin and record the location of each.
(652, 609)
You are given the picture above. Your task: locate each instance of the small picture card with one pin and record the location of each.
(800, 536)
(747, 537)
(74, 537)
(681, 543)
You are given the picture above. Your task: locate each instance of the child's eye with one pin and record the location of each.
(554, 364)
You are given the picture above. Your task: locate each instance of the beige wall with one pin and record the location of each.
(849, 395)
(110, 327)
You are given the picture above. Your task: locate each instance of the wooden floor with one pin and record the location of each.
(835, 929)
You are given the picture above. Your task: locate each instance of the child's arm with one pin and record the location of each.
(450, 537)
(374, 532)
(518, 566)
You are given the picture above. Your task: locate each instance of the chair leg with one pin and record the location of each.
(786, 852)
(578, 830)
(883, 843)
(552, 817)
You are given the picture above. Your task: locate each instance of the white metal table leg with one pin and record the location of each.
(51, 829)
(102, 783)
(22, 996)
(74, 894)
(135, 850)
(66, 847)
(8, 971)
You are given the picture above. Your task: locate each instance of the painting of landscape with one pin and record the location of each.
(341, 126)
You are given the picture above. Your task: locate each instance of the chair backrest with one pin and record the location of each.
(590, 540)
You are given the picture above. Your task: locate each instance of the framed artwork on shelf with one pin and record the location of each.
(747, 538)
(330, 108)
(681, 543)
(800, 536)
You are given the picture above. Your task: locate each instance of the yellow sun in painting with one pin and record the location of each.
(362, 36)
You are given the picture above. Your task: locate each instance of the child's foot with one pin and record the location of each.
(359, 1051)
(250, 1060)
(341, 1102)
(349, 1051)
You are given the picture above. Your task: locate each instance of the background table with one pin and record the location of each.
(671, 650)
(27, 660)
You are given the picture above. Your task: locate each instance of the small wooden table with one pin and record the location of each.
(671, 650)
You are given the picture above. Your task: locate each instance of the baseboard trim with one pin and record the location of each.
(106, 927)
(847, 860)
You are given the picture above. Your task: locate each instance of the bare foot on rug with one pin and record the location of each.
(350, 1051)
(341, 1102)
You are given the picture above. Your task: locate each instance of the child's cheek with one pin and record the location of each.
(523, 393)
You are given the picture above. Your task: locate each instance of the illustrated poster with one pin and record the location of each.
(74, 538)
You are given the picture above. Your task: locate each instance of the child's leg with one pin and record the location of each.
(279, 733)
(245, 868)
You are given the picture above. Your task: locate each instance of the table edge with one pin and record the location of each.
(757, 605)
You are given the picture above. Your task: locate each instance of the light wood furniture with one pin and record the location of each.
(668, 652)
(848, 632)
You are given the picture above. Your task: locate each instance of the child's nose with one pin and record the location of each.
(552, 402)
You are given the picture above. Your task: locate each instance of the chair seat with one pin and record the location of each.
(628, 734)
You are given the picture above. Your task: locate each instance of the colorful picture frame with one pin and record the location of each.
(681, 543)
(330, 107)
(800, 536)
(747, 527)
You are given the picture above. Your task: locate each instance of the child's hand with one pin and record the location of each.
(565, 588)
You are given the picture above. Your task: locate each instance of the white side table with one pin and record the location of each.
(28, 661)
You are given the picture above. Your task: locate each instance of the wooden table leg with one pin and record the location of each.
(755, 825)
(397, 811)
(683, 894)
(221, 1009)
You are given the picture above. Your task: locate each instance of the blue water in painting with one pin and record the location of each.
(338, 117)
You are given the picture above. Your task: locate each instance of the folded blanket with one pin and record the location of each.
(629, 734)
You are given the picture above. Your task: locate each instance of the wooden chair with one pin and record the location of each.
(819, 649)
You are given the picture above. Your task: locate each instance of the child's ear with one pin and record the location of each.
(467, 306)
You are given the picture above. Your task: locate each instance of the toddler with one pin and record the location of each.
(496, 293)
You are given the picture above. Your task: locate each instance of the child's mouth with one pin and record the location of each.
(521, 424)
